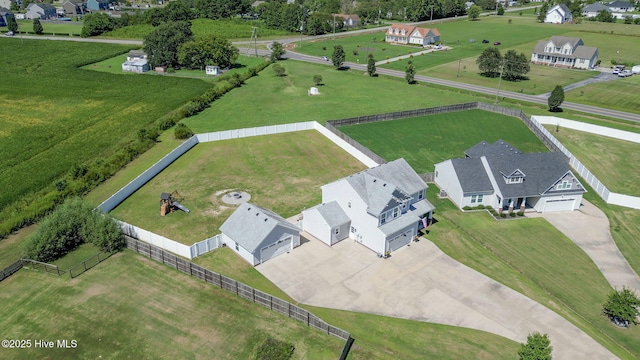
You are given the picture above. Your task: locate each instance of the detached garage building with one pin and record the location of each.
(258, 234)
(501, 176)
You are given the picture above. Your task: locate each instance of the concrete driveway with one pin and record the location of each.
(422, 283)
(589, 228)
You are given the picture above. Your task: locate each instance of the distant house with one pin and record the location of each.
(409, 34)
(349, 21)
(620, 6)
(41, 11)
(4, 15)
(562, 51)
(592, 10)
(258, 234)
(7, 3)
(383, 208)
(212, 70)
(136, 62)
(96, 5)
(500, 176)
(558, 14)
(74, 7)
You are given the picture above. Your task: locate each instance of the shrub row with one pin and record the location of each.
(81, 179)
(71, 224)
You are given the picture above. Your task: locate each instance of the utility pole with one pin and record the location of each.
(334, 26)
(431, 17)
(500, 79)
(301, 27)
(254, 39)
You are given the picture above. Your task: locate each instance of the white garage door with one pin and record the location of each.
(558, 205)
(275, 249)
(400, 241)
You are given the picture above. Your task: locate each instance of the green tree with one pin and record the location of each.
(622, 307)
(489, 62)
(538, 347)
(371, 65)
(207, 50)
(410, 73)
(37, 27)
(515, 66)
(276, 51)
(96, 24)
(605, 16)
(161, 45)
(543, 12)
(338, 56)
(182, 131)
(556, 98)
(317, 79)
(12, 24)
(500, 10)
(279, 70)
(474, 12)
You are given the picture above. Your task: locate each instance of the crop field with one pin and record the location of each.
(544, 265)
(342, 94)
(231, 29)
(280, 172)
(615, 162)
(436, 138)
(56, 116)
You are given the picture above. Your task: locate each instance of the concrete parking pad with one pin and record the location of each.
(589, 228)
(420, 282)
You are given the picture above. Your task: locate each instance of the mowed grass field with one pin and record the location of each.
(281, 172)
(620, 94)
(153, 311)
(614, 162)
(436, 138)
(56, 115)
(534, 258)
(268, 99)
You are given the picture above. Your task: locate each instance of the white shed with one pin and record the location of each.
(313, 91)
(258, 234)
(636, 69)
(326, 222)
(212, 70)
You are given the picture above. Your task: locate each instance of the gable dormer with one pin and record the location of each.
(516, 177)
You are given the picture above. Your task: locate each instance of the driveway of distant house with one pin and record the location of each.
(420, 282)
(589, 228)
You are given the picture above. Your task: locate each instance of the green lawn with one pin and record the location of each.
(10, 248)
(77, 256)
(619, 94)
(614, 162)
(280, 172)
(58, 116)
(533, 257)
(267, 99)
(433, 138)
(58, 28)
(231, 29)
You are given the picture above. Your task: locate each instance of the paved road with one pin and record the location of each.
(589, 228)
(421, 283)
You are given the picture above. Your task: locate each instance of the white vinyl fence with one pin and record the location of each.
(611, 198)
(204, 246)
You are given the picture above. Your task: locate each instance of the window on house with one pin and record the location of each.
(564, 185)
(336, 231)
(421, 195)
(480, 197)
(436, 174)
(395, 213)
(473, 199)
(353, 230)
(383, 218)
(237, 247)
(349, 204)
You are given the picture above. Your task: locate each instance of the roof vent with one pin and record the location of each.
(265, 219)
(257, 214)
(385, 184)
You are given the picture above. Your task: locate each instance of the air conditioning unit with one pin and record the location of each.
(443, 193)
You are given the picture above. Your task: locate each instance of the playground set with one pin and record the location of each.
(169, 203)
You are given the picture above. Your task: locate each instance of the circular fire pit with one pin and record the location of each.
(235, 197)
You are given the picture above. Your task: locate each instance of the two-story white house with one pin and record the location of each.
(386, 207)
(502, 177)
(562, 51)
(136, 62)
(409, 34)
(558, 14)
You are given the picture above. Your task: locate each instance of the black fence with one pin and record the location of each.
(89, 263)
(10, 270)
(233, 286)
(48, 268)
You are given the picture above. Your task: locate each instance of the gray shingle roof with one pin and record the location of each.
(621, 4)
(499, 147)
(472, 175)
(386, 186)
(596, 7)
(333, 214)
(585, 52)
(250, 225)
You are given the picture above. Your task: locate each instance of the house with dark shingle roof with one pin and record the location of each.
(502, 177)
(258, 234)
(563, 51)
(620, 6)
(41, 11)
(4, 14)
(385, 205)
(409, 34)
(592, 10)
(74, 7)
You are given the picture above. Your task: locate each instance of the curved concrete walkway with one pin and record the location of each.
(422, 283)
(589, 228)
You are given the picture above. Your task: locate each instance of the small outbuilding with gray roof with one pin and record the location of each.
(500, 176)
(326, 222)
(258, 234)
